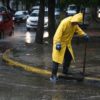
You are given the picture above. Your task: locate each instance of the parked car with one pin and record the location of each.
(35, 8)
(71, 10)
(57, 15)
(3, 9)
(20, 16)
(32, 20)
(6, 24)
(57, 12)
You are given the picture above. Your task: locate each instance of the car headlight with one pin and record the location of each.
(99, 15)
(28, 21)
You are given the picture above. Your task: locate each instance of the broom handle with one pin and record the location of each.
(84, 60)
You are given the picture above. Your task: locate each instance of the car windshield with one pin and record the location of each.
(19, 13)
(37, 14)
(35, 8)
(34, 14)
(72, 8)
(25, 13)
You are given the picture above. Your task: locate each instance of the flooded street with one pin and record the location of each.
(18, 84)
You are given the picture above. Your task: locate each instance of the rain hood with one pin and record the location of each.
(77, 18)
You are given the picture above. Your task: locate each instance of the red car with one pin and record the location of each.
(6, 24)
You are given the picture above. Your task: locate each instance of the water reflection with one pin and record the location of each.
(46, 34)
(28, 37)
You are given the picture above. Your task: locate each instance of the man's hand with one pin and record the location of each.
(58, 46)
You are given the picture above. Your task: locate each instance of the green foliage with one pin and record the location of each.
(95, 2)
(62, 4)
(80, 2)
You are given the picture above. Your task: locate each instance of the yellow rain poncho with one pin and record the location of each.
(64, 35)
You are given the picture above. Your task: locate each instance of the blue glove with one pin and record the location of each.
(58, 46)
(86, 38)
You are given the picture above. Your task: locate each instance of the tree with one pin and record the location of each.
(3, 2)
(28, 3)
(8, 6)
(6, 3)
(51, 17)
(40, 28)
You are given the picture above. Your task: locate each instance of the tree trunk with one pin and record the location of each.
(40, 28)
(51, 16)
(8, 1)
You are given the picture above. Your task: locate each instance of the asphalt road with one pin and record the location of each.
(17, 84)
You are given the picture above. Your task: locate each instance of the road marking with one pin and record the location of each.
(91, 97)
(25, 67)
(92, 78)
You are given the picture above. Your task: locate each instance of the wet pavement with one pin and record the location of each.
(18, 84)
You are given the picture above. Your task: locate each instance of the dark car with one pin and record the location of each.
(6, 24)
(20, 16)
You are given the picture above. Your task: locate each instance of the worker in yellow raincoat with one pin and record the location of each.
(62, 48)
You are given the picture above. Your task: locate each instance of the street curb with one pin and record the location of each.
(24, 66)
(33, 69)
